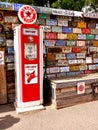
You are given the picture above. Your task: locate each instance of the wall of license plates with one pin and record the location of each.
(71, 39)
(72, 44)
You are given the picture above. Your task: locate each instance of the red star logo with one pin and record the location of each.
(28, 14)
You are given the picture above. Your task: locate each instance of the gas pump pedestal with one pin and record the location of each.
(28, 45)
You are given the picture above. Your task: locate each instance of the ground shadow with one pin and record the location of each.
(8, 121)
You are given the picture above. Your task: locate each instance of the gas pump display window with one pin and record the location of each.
(30, 51)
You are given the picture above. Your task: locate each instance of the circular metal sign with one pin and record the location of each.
(27, 14)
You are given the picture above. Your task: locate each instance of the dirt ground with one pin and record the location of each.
(78, 117)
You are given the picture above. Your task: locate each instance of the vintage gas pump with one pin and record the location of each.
(28, 45)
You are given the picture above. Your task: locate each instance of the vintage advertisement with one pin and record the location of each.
(63, 23)
(77, 30)
(71, 43)
(56, 29)
(60, 42)
(31, 73)
(61, 36)
(67, 30)
(51, 35)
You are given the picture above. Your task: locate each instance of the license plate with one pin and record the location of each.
(66, 49)
(86, 31)
(82, 36)
(71, 43)
(62, 23)
(81, 25)
(51, 22)
(70, 56)
(51, 35)
(77, 30)
(47, 29)
(67, 30)
(72, 36)
(60, 42)
(60, 56)
(64, 69)
(80, 43)
(61, 36)
(56, 29)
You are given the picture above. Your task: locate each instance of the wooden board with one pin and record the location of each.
(3, 89)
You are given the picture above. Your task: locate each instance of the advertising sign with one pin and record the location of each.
(81, 88)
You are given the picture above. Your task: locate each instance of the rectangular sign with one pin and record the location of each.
(66, 49)
(70, 56)
(47, 29)
(67, 30)
(64, 69)
(81, 36)
(81, 25)
(86, 31)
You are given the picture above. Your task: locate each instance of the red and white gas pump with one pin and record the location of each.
(28, 46)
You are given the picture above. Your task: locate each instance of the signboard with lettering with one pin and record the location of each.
(91, 25)
(54, 69)
(80, 55)
(74, 68)
(92, 67)
(60, 56)
(79, 61)
(66, 49)
(70, 56)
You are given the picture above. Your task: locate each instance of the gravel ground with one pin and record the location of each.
(78, 117)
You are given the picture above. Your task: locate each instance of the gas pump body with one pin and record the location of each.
(28, 45)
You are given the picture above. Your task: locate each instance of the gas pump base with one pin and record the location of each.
(27, 109)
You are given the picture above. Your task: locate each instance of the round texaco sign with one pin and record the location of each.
(27, 14)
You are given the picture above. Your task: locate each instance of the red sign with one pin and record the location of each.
(27, 14)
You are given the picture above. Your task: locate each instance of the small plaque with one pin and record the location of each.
(62, 63)
(70, 56)
(80, 43)
(76, 49)
(80, 55)
(47, 29)
(60, 42)
(82, 36)
(54, 69)
(92, 67)
(74, 68)
(66, 49)
(88, 60)
(60, 56)
(95, 60)
(49, 42)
